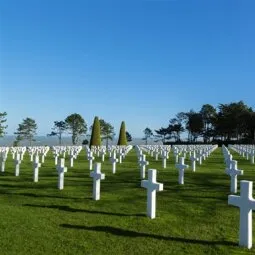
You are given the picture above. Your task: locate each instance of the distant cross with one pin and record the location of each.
(152, 186)
(233, 172)
(181, 166)
(97, 177)
(246, 203)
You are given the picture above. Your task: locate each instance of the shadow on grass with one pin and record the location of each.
(69, 209)
(128, 233)
(42, 196)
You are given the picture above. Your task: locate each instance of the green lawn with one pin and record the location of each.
(37, 218)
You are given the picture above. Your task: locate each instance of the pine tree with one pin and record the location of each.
(122, 136)
(95, 139)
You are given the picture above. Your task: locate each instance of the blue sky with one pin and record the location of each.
(141, 61)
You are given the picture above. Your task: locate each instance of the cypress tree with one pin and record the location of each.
(95, 136)
(122, 136)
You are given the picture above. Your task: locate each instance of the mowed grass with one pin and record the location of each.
(194, 218)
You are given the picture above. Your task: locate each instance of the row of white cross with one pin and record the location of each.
(245, 201)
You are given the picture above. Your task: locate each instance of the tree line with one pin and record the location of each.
(234, 121)
(74, 124)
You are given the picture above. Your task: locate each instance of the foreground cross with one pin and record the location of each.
(152, 186)
(193, 159)
(233, 172)
(61, 170)
(181, 166)
(17, 163)
(114, 160)
(143, 163)
(246, 203)
(37, 164)
(97, 177)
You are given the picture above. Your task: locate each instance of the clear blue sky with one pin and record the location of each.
(141, 61)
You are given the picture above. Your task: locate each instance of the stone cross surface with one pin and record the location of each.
(193, 159)
(233, 172)
(97, 177)
(114, 160)
(143, 163)
(90, 158)
(181, 166)
(246, 203)
(152, 186)
(164, 157)
(61, 170)
(37, 164)
(17, 163)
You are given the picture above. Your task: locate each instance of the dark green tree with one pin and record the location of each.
(26, 130)
(128, 136)
(76, 126)
(59, 128)
(2, 121)
(162, 134)
(122, 135)
(147, 134)
(194, 125)
(209, 115)
(95, 139)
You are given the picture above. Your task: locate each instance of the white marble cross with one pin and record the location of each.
(233, 172)
(71, 158)
(164, 157)
(152, 186)
(97, 177)
(61, 170)
(56, 157)
(114, 160)
(143, 163)
(90, 158)
(3, 158)
(181, 166)
(17, 164)
(246, 203)
(193, 160)
(37, 164)
(252, 154)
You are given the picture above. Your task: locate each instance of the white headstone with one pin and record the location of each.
(143, 163)
(181, 166)
(97, 177)
(246, 203)
(152, 186)
(17, 164)
(36, 168)
(61, 170)
(114, 160)
(233, 172)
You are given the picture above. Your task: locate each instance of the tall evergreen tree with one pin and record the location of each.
(2, 121)
(122, 136)
(95, 139)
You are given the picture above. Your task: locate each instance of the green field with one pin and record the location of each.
(37, 218)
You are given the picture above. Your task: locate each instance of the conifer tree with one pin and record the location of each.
(122, 136)
(95, 139)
